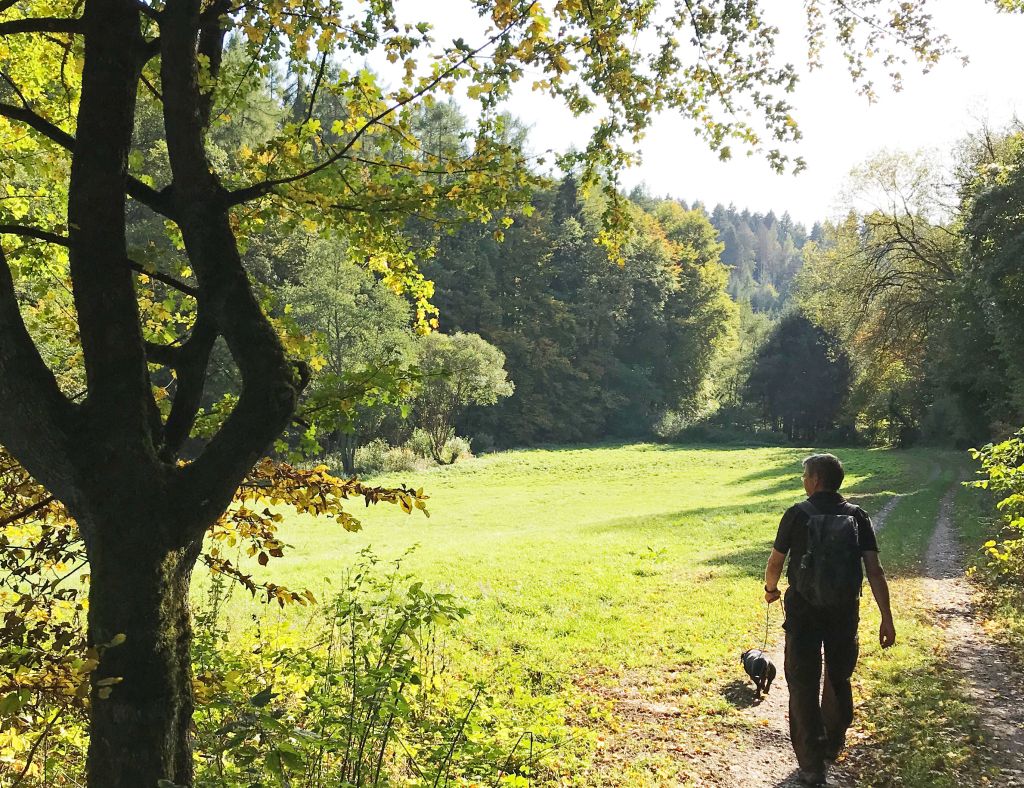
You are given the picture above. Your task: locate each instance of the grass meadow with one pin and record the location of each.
(593, 568)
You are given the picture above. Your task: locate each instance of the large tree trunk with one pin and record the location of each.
(109, 458)
(139, 590)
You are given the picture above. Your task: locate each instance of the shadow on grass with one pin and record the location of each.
(923, 731)
(745, 562)
(646, 445)
(789, 469)
(741, 694)
(786, 478)
(671, 522)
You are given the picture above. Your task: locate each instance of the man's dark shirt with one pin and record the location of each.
(792, 535)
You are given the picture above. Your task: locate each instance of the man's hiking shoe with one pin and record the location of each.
(811, 778)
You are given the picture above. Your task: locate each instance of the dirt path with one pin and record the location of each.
(990, 682)
(764, 757)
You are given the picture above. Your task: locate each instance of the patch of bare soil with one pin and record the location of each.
(990, 680)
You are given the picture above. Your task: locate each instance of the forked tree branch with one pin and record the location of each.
(191, 364)
(270, 380)
(158, 201)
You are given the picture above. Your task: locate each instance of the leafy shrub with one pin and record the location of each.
(454, 448)
(378, 457)
(368, 703)
(1003, 463)
(419, 444)
(483, 443)
(671, 424)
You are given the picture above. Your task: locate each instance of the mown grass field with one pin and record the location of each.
(589, 567)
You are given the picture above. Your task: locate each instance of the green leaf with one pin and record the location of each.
(13, 701)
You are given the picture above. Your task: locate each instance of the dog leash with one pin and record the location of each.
(767, 616)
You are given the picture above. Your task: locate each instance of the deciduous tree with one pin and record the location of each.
(457, 371)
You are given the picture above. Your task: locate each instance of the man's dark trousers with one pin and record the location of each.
(817, 728)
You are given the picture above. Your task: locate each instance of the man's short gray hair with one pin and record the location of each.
(827, 469)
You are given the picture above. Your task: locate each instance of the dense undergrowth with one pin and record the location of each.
(356, 692)
(990, 516)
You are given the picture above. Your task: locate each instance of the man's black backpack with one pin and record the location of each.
(830, 571)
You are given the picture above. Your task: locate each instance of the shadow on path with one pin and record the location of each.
(741, 694)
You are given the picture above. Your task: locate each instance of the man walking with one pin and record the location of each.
(827, 539)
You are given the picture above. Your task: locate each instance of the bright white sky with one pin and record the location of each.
(841, 129)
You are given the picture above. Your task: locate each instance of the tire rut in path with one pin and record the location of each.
(990, 680)
(767, 759)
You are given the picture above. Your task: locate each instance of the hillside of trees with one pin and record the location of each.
(596, 347)
(719, 323)
(763, 253)
(926, 295)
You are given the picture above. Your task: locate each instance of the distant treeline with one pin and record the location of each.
(596, 347)
(763, 252)
(893, 326)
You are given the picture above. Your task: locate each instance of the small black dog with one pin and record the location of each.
(760, 668)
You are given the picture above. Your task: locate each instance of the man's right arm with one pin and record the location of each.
(880, 590)
(772, 574)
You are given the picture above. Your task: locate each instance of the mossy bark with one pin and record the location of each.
(141, 694)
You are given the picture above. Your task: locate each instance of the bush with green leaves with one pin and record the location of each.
(419, 444)
(454, 449)
(1003, 464)
(368, 701)
(379, 457)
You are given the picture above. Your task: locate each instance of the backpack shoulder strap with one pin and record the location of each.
(808, 508)
(854, 511)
